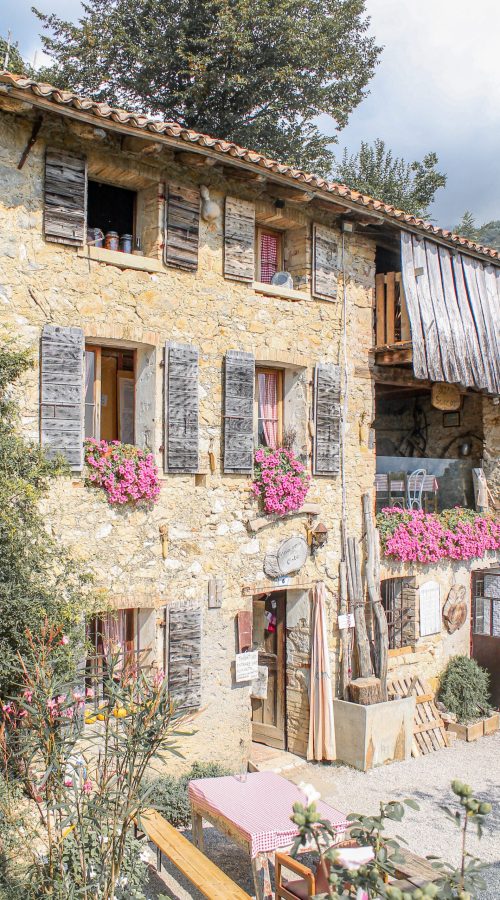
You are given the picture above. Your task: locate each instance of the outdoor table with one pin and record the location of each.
(254, 810)
(430, 485)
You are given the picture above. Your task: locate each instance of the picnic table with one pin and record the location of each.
(254, 811)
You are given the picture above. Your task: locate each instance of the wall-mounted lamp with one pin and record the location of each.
(317, 537)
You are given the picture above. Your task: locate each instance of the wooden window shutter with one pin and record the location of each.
(184, 654)
(182, 227)
(65, 198)
(325, 262)
(181, 408)
(61, 393)
(326, 457)
(239, 240)
(239, 378)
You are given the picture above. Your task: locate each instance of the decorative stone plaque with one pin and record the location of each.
(289, 557)
(455, 608)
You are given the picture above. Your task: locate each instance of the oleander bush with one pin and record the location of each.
(464, 689)
(413, 535)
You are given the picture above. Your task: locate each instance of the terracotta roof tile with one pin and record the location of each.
(174, 129)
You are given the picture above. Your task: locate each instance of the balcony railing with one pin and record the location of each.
(392, 324)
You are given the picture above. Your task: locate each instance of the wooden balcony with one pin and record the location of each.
(392, 326)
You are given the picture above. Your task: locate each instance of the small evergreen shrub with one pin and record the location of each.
(170, 794)
(463, 688)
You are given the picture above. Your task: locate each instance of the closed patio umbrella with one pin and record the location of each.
(321, 744)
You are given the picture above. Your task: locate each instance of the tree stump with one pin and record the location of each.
(365, 691)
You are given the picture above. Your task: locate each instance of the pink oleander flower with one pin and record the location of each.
(126, 473)
(281, 481)
(87, 786)
(68, 782)
(64, 640)
(28, 695)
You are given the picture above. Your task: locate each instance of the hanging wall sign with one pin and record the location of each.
(445, 396)
(247, 666)
(430, 608)
(289, 557)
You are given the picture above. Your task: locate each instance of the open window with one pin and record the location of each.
(110, 376)
(111, 215)
(268, 407)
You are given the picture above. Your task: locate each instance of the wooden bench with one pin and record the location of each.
(211, 881)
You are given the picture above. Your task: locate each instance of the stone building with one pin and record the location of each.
(176, 337)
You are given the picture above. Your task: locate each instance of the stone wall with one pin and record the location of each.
(206, 517)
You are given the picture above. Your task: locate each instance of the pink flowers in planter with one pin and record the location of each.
(417, 536)
(126, 473)
(281, 481)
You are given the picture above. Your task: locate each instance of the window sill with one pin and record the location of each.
(275, 290)
(122, 260)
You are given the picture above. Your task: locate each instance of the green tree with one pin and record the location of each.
(250, 71)
(15, 61)
(38, 580)
(374, 170)
(467, 226)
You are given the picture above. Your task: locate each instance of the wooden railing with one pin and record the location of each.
(392, 325)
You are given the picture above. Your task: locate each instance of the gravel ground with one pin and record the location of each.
(428, 831)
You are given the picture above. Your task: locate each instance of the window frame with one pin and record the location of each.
(280, 392)
(121, 373)
(112, 184)
(398, 643)
(261, 230)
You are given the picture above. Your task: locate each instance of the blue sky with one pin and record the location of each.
(437, 87)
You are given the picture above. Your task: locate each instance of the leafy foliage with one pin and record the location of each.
(15, 61)
(257, 73)
(372, 879)
(463, 688)
(169, 795)
(38, 580)
(82, 776)
(374, 170)
(487, 234)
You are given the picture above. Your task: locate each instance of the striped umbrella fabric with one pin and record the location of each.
(321, 744)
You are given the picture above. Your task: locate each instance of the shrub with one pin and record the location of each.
(170, 794)
(463, 688)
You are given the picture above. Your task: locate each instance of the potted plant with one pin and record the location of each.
(463, 690)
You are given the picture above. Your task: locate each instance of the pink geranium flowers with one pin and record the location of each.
(126, 473)
(281, 481)
(417, 536)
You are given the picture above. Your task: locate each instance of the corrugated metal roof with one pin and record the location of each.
(141, 122)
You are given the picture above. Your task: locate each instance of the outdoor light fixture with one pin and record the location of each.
(317, 537)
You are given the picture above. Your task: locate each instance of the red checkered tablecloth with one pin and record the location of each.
(258, 807)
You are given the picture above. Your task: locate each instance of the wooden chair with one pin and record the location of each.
(309, 883)
(397, 494)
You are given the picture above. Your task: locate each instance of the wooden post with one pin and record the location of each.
(344, 633)
(372, 574)
(358, 606)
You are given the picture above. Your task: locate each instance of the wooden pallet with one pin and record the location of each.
(428, 727)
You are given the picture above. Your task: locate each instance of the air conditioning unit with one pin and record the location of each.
(282, 279)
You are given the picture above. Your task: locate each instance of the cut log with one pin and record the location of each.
(365, 691)
(357, 599)
(344, 634)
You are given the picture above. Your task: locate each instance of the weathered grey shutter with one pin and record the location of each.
(65, 198)
(182, 226)
(239, 378)
(61, 393)
(326, 459)
(239, 239)
(409, 595)
(325, 262)
(181, 408)
(184, 654)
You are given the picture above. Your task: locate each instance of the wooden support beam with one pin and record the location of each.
(37, 124)
(143, 147)
(194, 160)
(390, 307)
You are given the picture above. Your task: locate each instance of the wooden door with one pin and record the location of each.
(268, 715)
(485, 627)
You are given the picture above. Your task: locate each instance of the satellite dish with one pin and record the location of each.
(282, 279)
